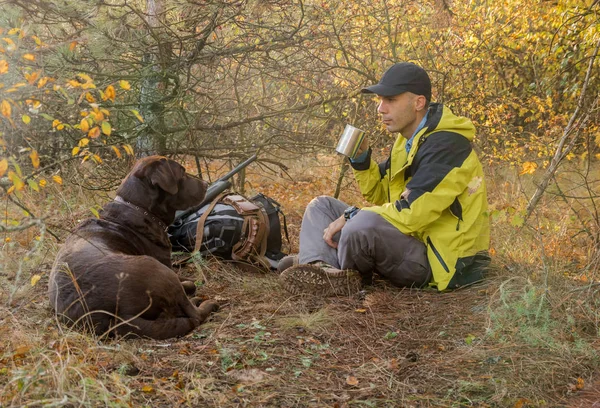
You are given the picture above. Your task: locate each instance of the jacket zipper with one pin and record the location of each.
(438, 255)
(390, 180)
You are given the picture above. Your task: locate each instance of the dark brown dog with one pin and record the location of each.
(113, 273)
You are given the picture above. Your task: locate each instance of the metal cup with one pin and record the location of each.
(350, 141)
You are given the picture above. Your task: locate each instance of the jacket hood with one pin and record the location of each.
(441, 119)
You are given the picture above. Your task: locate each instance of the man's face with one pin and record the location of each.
(401, 113)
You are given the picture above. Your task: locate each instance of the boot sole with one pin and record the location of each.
(311, 279)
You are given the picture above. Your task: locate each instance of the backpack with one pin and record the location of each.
(233, 227)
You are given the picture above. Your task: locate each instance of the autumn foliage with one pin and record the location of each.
(86, 88)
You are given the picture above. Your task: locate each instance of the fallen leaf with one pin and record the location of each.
(251, 375)
(147, 389)
(35, 279)
(21, 351)
(351, 380)
(393, 364)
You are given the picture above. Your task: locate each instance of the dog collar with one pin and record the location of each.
(120, 199)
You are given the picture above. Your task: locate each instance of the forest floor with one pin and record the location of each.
(506, 342)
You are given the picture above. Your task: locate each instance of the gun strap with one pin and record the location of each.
(202, 220)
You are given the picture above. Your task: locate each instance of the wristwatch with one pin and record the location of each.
(350, 212)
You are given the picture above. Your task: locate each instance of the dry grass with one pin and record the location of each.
(527, 337)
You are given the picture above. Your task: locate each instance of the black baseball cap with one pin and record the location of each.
(402, 77)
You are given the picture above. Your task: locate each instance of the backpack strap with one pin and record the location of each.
(202, 220)
(255, 230)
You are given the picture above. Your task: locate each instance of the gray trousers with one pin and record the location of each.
(367, 244)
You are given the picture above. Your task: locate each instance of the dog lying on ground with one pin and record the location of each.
(113, 273)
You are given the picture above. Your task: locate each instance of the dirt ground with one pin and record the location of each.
(384, 347)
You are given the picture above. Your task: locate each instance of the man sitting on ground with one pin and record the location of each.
(429, 223)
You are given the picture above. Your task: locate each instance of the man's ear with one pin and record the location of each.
(166, 175)
(420, 103)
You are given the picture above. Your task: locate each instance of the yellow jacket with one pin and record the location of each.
(446, 207)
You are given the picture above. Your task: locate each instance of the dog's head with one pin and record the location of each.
(162, 186)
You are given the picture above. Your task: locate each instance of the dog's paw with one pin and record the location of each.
(206, 304)
(189, 287)
(211, 303)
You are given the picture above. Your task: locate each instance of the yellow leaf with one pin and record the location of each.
(55, 123)
(521, 402)
(35, 159)
(3, 67)
(26, 119)
(117, 151)
(5, 109)
(128, 149)
(57, 179)
(37, 40)
(74, 83)
(31, 78)
(84, 125)
(29, 57)
(94, 132)
(137, 115)
(75, 151)
(84, 142)
(89, 97)
(72, 46)
(43, 183)
(528, 168)
(95, 212)
(14, 31)
(85, 77)
(97, 158)
(147, 388)
(10, 190)
(580, 383)
(360, 310)
(351, 380)
(3, 167)
(10, 44)
(16, 180)
(109, 93)
(35, 279)
(124, 85)
(98, 116)
(106, 128)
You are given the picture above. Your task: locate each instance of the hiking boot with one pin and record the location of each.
(286, 262)
(321, 281)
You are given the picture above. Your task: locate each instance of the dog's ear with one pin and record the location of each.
(166, 175)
